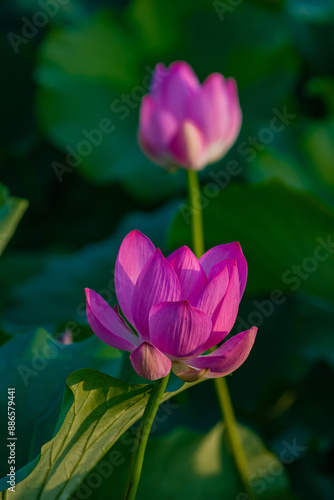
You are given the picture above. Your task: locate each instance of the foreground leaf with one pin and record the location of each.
(102, 410)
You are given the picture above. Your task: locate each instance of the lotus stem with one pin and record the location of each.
(143, 432)
(220, 383)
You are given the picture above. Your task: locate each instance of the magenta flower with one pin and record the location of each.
(180, 307)
(185, 123)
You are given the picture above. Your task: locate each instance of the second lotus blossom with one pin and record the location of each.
(180, 306)
(185, 123)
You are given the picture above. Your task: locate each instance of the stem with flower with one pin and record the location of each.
(220, 383)
(143, 432)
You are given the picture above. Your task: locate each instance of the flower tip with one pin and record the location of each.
(159, 252)
(135, 232)
(176, 65)
(232, 85)
(253, 331)
(160, 66)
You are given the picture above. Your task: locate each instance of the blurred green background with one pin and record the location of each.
(73, 67)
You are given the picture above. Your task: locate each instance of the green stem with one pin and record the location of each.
(143, 432)
(232, 432)
(220, 383)
(196, 212)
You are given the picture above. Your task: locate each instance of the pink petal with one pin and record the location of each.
(223, 252)
(158, 81)
(227, 358)
(228, 263)
(210, 301)
(157, 127)
(209, 109)
(188, 147)
(227, 311)
(107, 324)
(213, 293)
(232, 128)
(149, 362)
(157, 282)
(191, 276)
(177, 88)
(178, 329)
(135, 251)
(231, 124)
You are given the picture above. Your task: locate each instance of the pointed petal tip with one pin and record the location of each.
(159, 252)
(228, 357)
(215, 79)
(254, 330)
(92, 296)
(232, 87)
(135, 233)
(220, 253)
(189, 271)
(134, 252)
(182, 66)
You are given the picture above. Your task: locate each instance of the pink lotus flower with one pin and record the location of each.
(185, 123)
(180, 307)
